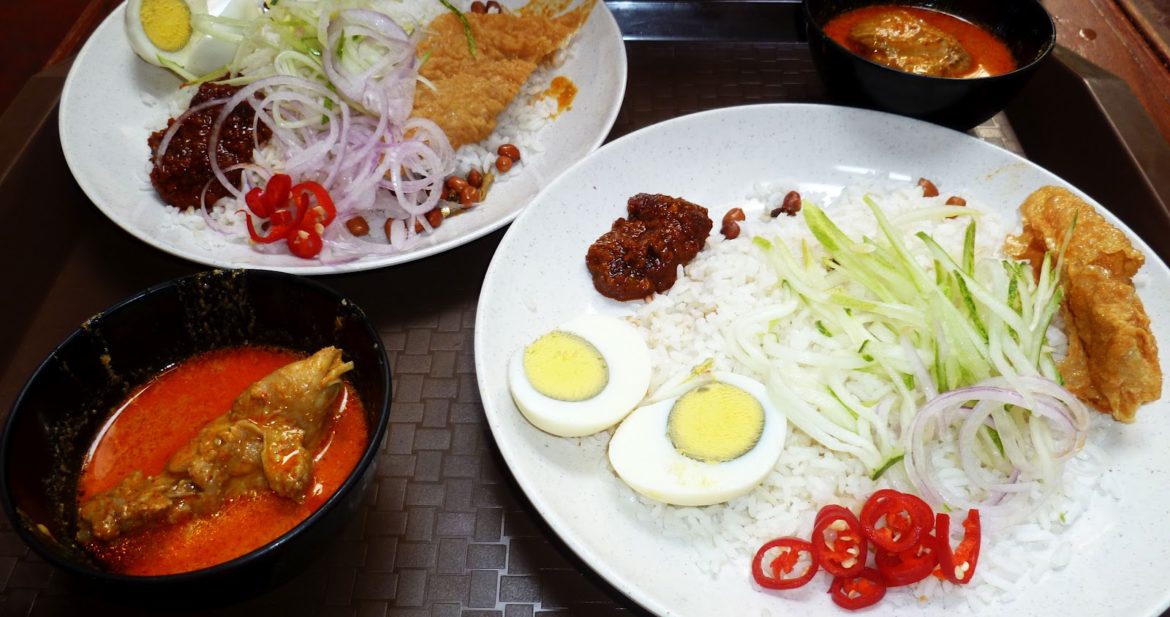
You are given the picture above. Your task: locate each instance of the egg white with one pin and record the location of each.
(644, 458)
(202, 53)
(628, 359)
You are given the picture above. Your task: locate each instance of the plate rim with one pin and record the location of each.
(114, 19)
(573, 539)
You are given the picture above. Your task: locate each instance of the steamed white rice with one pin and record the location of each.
(728, 279)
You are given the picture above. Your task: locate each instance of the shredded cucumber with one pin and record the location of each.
(899, 319)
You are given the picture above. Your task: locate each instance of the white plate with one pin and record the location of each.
(538, 279)
(110, 105)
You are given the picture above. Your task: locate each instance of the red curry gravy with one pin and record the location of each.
(563, 90)
(989, 55)
(161, 416)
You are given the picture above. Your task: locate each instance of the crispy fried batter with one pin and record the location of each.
(469, 93)
(1112, 361)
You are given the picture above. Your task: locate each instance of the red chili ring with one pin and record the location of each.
(907, 567)
(832, 558)
(967, 553)
(889, 503)
(778, 569)
(867, 584)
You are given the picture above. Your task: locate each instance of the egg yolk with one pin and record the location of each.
(167, 23)
(566, 367)
(716, 422)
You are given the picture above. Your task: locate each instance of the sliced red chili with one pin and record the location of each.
(263, 201)
(301, 194)
(275, 232)
(785, 554)
(907, 518)
(276, 191)
(255, 200)
(838, 542)
(304, 243)
(909, 566)
(958, 566)
(284, 216)
(297, 214)
(864, 589)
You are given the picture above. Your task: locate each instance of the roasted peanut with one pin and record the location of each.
(955, 200)
(928, 188)
(478, 7)
(455, 183)
(475, 178)
(730, 228)
(492, 4)
(790, 205)
(509, 151)
(358, 226)
(435, 217)
(469, 195)
(503, 163)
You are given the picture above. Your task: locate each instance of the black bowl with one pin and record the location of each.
(60, 409)
(959, 103)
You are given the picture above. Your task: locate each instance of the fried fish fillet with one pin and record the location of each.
(470, 92)
(1112, 361)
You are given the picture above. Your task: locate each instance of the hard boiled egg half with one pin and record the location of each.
(712, 443)
(173, 33)
(582, 377)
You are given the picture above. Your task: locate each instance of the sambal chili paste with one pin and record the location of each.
(185, 167)
(640, 254)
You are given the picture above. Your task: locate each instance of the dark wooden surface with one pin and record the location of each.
(36, 34)
(1129, 38)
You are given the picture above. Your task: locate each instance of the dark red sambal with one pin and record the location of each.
(185, 168)
(640, 254)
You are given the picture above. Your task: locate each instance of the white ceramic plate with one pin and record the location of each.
(110, 105)
(538, 279)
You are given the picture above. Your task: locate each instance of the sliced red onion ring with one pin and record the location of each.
(1040, 405)
(370, 157)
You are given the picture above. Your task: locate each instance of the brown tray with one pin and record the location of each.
(444, 530)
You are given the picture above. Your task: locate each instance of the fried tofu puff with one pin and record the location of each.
(1112, 361)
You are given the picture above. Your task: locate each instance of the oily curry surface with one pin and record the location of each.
(159, 420)
(922, 41)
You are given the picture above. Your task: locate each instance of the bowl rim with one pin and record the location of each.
(367, 460)
(1045, 51)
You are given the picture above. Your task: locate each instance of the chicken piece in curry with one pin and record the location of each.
(1112, 360)
(262, 443)
(467, 92)
(906, 42)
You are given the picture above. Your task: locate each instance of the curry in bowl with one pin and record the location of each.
(922, 41)
(951, 62)
(173, 483)
(215, 429)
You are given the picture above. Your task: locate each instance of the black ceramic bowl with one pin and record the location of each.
(960, 103)
(60, 409)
